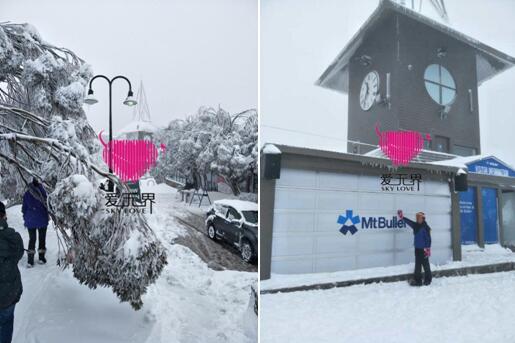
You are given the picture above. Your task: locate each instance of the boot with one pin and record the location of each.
(415, 283)
(30, 258)
(42, 259)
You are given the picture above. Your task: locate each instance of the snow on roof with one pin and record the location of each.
(239, 205)
(271, 149)
(460, 161)
(489, 61)
(374, 161)
(138, 126)
(423, 156)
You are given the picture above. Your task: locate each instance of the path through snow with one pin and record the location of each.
(188, 303)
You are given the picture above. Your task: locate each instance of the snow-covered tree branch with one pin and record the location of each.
(44, 134)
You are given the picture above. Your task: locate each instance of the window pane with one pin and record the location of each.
(433, 91)
(464, 150)
(432, 73)
(447, 96)
(447, 79)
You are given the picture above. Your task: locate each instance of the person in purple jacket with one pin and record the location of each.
(35, 216)
(422, 243)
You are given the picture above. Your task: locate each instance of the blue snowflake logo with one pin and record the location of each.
(346, 226)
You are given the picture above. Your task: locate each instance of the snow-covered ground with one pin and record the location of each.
(476, 308)
(472, 255)
(188, 303)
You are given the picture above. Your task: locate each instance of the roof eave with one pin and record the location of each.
(325, 80)
(382, 162)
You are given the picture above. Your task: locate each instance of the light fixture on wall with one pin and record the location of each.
(444, 111)
(471, 100)
(441, 52)
(386, 99)
(365, 60)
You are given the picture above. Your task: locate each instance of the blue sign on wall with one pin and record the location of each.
(491, 166)
(489, 199)
(468, 216)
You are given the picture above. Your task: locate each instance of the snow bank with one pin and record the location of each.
(189, 303)
(476, 308)
(472, 255)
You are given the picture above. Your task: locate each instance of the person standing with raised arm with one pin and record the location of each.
(422, 243)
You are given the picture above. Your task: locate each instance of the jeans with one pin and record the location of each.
(6, 324)
(422, 261)
(42, 239)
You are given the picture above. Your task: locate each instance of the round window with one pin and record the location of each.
(439, 84)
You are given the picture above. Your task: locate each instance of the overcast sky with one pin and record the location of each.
(188, 53)
(299, 39)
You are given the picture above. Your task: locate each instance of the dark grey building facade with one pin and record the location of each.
(428, 77)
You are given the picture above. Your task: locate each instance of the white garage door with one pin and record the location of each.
(307, 237)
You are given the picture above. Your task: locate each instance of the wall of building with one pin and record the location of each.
(416, 109)
(313, 192)
(380, 45)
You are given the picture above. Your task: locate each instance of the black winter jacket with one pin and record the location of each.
(11, 251)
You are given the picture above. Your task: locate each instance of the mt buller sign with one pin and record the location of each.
(351, 223)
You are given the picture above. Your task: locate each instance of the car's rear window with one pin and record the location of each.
(251, 216)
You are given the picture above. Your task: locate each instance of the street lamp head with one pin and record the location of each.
(90, 98)
(130, 101)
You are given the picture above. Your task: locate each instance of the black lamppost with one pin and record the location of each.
(129, 101)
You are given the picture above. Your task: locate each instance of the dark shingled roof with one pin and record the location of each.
(490, 61)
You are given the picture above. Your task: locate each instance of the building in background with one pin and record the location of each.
(406, 71)
(141, 126)
(325, 211)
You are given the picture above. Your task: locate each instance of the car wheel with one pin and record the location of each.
(247, 251)
(211, 232)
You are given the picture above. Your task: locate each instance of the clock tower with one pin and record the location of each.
(404, 71)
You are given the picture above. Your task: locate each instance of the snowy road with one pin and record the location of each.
(189, 303)
(478, 308)
(218, 255)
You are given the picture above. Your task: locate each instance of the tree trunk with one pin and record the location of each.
(234, 187)
(248, 183)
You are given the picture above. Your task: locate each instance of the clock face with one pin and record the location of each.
(369, 90)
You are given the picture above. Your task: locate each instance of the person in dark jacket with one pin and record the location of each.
(35, 216)
(11, 251)
(422, 243)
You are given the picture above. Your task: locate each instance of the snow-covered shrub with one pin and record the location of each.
(119, 251)
(211, 141)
